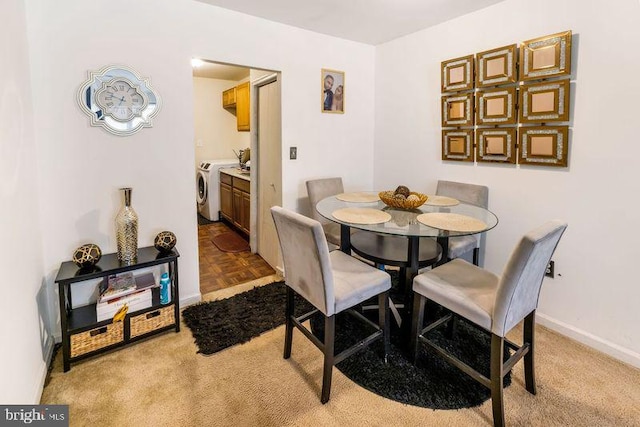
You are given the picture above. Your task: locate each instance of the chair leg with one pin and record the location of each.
(383, 322)
(329, 339)
(450, 332)
(476, 256)
(529, 366)
(288, 335)
(416, 325)
(497, 352)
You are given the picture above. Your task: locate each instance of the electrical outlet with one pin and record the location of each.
(293, 153)
(550, 270)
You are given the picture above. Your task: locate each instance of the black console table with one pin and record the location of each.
(83, 336)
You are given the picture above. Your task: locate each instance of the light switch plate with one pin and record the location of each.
(293, 153)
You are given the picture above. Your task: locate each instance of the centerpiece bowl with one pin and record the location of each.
(411, 202)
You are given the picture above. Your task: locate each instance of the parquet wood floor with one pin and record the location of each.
(219, 270)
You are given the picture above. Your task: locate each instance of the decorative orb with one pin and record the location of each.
(87, 255)
(404, 190)
(165, 241)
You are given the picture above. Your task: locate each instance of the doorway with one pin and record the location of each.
(218, 140)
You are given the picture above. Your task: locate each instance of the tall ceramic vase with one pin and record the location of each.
(127, 231)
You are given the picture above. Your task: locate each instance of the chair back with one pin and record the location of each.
(468, 193)
(319, 189)
(521, 280)
(306, 258)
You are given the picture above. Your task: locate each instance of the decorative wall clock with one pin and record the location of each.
(119, 100)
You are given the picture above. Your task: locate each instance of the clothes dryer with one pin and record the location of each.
(208, 186)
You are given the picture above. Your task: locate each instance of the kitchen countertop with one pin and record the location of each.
(237, 173)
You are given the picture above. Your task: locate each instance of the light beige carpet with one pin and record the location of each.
(163, 382)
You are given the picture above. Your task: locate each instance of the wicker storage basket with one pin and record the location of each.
(95, 339)
(151, 320)
(387, 198)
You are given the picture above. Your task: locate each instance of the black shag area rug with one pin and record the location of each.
(431, 383)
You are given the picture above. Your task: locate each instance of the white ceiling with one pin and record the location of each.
(366, 21)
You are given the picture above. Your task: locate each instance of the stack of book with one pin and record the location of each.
(123, 289)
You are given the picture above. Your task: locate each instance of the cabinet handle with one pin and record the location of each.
(153, 314)
(98, 331)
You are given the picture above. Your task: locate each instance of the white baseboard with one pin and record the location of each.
(191, 299)
(614, 350)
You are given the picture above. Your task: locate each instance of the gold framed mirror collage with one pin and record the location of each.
(496, 104)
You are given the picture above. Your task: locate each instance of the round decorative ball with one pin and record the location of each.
(165, 241)
(404, 190)
(87, 255)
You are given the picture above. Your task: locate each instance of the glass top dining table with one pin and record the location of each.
(405, 223)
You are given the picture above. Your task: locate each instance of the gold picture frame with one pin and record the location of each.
(457, 144)
(457, 110)
(496, 145)
(496, 106)
(545, 101)
(332, 91)
(496, 66)
(544, 57)
(457, 74)
(544, 145)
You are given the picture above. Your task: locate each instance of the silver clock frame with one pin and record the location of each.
(87, 92)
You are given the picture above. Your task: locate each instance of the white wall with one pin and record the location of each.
(216, 132)
(82, 167)
(25, 341)
(595, 294)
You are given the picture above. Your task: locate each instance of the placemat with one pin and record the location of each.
(452, 222)
(442, 201)
(358, 197)
(361, 215)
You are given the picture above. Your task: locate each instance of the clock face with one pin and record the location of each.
(121, 99)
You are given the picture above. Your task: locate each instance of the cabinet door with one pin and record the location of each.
(229, 98)
(237, 207)
(226, 201)
(245, 212)
(242, 106)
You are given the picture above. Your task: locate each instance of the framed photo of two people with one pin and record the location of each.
(332, 100)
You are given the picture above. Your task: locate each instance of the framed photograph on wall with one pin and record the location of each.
(332, 91)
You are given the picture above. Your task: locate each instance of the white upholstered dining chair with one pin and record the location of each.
(330, 281)
(468, 193)
(319, 189)
(495, 304)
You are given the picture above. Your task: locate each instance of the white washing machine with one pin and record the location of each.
(208, 186)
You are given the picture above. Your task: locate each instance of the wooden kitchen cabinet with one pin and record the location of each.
(226, 201)
(237, 205)
(229, 98)
(243, 107)
(245, 212)
(235, 201)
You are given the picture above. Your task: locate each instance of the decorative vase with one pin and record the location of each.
(127, 231)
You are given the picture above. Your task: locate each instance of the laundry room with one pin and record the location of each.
(222, 137)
